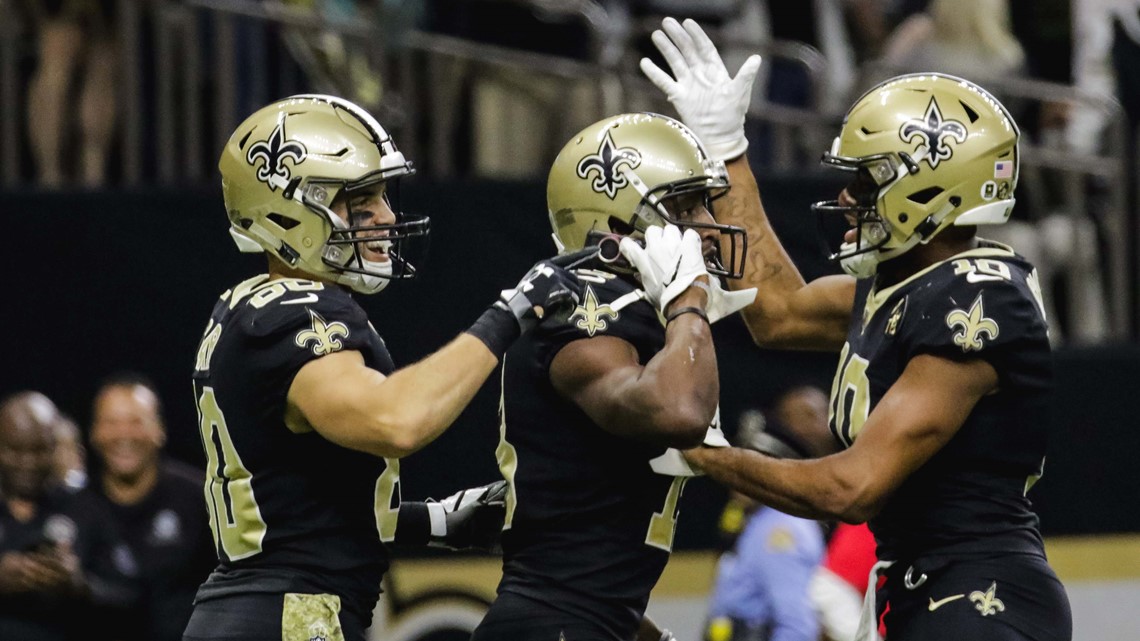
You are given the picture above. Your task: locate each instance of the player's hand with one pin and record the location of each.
(668, 264)
(712, 103)
(548, 289)
(474, 518)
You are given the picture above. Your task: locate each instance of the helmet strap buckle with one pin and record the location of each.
(926, 227)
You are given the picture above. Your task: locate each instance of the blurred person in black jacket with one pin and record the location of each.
(155, 502)
(63, 572)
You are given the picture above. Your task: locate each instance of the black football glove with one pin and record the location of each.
(471, 519)
(548, 289)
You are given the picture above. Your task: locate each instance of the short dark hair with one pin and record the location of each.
(129, 378)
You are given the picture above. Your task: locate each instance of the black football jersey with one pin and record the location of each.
(589, 525)
(290, 511)
(970, 497)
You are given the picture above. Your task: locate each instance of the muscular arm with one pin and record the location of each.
(355, 406)
(917, 416)
(787, 312)
(670, 401)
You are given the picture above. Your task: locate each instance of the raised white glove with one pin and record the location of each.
(709, 101)
(723, 303)
(668, 264)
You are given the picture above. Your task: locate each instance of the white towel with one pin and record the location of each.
(868, 622)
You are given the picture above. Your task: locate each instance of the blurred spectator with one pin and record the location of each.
(966, 38)
(868, 23)
(61, 568)
(761, 588)
(1102, 31)
(518, 112)
(760, 592)
(837, 589)
(823, 25)
(70, 455)
(72, 36)
(348, 67)
(156, 503)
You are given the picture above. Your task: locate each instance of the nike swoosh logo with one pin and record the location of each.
(309, 298)
(934, 605)
(975, 277)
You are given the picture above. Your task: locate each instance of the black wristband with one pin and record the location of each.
(413, 525)
(686, 310)
(497, 328)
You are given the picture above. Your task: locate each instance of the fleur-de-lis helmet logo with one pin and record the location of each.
(607, 162)
(273, 152)
(933, 134)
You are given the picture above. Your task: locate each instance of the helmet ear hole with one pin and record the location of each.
(241, 143)
(284, 222)
(925, 195)
(970, 113)
(619, 226)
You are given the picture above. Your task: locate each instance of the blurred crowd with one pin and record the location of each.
(487, 88)
(107, 547)
(75, 51)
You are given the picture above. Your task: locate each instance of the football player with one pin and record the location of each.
(591, 403)
(942, 390)
(303, 415)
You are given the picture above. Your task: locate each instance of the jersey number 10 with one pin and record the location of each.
(235, 518)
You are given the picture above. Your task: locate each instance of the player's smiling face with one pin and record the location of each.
(368, 207)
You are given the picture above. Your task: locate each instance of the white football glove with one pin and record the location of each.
(709, 101)
(668, 264)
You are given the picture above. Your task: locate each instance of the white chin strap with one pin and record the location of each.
(860, 265)
(367, 283)
(866, 264)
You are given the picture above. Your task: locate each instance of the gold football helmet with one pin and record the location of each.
(616, 176)
(928, 151)
(283, 168)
